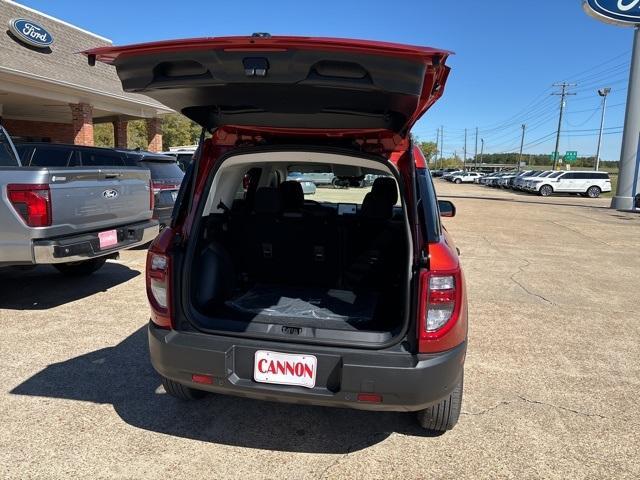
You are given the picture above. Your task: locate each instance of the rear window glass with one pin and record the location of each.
(7, 158)
(162, 170)
(342, 184)
(50, 157)
(102, 158)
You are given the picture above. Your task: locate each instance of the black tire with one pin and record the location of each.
(444, 415)
(80, 269)
(593, 192)
(181, 392)
(458, 181)
(546, 190)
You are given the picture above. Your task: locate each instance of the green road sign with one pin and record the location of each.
(571, 156)
(554, 156)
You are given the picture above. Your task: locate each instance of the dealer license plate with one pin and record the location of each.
(285, 368)
(108, 239)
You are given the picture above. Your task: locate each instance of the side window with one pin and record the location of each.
(602, 176)
(568, 176)
(102, 158)
(50, 157)
(586, 176)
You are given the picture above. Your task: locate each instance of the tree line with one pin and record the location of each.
(176, 130)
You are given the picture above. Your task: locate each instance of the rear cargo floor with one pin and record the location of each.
(308, 307)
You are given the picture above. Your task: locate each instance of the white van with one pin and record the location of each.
(589, 184)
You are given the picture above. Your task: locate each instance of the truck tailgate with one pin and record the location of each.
(89, 199)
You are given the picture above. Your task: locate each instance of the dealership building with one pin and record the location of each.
(48, 92)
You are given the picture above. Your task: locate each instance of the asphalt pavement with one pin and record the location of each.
(551, 383)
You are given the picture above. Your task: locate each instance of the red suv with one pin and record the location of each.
(259, 292)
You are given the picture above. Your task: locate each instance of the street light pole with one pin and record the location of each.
(481, 150)
(603, 92)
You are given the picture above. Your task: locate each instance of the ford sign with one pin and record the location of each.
(621, 12)
(30, 33)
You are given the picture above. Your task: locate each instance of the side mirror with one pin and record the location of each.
(447, 208)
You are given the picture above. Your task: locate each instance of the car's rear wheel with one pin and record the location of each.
(546, 190)
(593, 192)
(79, 269)
(443, 415)
(180, 391)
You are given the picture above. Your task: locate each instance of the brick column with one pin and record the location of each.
(154, 134)
(120, 138)
(82, 123)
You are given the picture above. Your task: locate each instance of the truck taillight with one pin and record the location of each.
(441, 304)
(152, 196)
(32, 202)
(158, 279)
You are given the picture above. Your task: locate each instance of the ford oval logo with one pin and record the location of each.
(110, 193)
(30, 32)
(625, 12)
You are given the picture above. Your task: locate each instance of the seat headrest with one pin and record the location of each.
(292, 195)
(267, 200)
(385, 187)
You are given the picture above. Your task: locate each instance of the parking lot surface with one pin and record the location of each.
(551, 384)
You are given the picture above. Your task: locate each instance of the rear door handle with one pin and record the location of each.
(112, 175)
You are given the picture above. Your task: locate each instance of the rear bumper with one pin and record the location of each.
(406, 382)
(85, 246)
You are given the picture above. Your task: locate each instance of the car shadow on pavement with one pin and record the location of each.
(122, 376)
(44, 287)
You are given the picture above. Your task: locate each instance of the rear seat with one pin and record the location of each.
(254, 237)
(310, 240)
(373, 246)
(283, 242)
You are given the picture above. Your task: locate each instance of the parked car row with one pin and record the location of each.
(547, 182)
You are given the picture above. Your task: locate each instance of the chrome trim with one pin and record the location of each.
(43, 254)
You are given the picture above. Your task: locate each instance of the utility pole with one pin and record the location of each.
(464, 159)
(481, 150)
(524, 128)
(475, 156)
(435, 157)
(603, 92)
(564, 86)
(441, 145)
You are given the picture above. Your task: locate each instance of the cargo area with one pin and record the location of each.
(271, 261)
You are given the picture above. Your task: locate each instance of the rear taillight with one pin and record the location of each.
(440, 308)
(159, 186)
(441, 301)
(158, 279)
(152, 196)
(32, 203)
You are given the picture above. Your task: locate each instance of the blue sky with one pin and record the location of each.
(508, 53)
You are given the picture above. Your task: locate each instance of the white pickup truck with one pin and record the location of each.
(71, 218)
